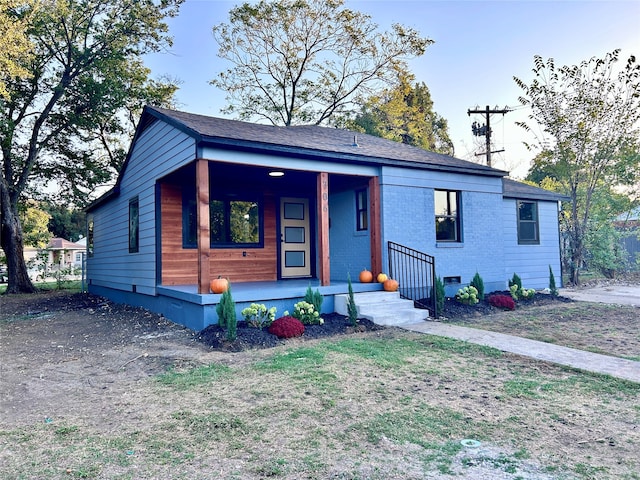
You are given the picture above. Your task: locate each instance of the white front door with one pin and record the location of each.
(295, 245)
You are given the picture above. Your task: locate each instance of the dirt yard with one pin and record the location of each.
(88, 361)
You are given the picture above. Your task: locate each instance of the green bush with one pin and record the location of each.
(477, 282)
(258, 315)
(226, 311)
(439, 295)
(352, 309)
(515, 280)
(314, 298)
(552, 283)
(467, 295)
(307, 313)
(517, 291)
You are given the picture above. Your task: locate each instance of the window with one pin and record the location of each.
(234, 221)
(362, 219)
(447, 207)
(134, 225)
(90, 237)
(528, 223)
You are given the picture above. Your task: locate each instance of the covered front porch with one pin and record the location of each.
(272, 236)
(242, 223)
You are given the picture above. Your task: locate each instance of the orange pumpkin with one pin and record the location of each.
(382, 277)
(366, 276)
(219, 285)
(390, 285)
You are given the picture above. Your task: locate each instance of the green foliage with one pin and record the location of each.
(477, 282)
(257, 315)
(307, 313)
(515, 280)
(605, 251)
(70, 118)
(517, 291)
(67, 223)
(552, 283)
(440, 296)
(226, 310)
(590, 116)
(34, 222)
(352, 309)
(314, 298)
(404, 113)
(314, 68)
(467, 295)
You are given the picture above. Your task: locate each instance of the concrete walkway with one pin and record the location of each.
(591, 362)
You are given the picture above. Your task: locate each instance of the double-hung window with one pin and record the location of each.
(447, 209)
(528, 229)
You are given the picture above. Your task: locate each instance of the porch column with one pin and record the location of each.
(322, 201)
(375, 228)
(202, 211)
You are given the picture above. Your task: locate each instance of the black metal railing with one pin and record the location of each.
(415, 272)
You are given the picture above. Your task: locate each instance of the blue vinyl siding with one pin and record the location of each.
(158, 151)
(531, 262)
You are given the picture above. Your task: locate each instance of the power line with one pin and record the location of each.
(485, 130)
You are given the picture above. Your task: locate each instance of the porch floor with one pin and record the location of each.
(261, 292)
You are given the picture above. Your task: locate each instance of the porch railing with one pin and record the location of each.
(415, 272)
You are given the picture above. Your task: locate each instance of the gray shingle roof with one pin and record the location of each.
(314, 141)
(513, 189)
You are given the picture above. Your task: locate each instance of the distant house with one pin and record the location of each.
(65, 254)
(276, 209)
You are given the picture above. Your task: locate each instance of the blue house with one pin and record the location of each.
(278, 209)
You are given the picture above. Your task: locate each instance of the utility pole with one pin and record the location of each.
(479, 130)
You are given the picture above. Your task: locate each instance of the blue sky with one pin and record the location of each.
(479, 47)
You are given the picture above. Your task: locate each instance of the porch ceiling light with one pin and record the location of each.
(276, 173)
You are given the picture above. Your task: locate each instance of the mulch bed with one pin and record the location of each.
(258, 338)
(334, 324)
(455, 310)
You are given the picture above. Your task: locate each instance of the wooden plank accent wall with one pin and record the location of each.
(322, 190)
(204, 232)
(375, 231)
(180, 265)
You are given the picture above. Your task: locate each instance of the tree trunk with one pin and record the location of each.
(12, 244)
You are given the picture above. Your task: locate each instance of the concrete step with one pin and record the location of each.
(382, 308)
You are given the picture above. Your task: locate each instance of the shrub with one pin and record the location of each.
(307, 313)
(352, 309)
(502, 301)
(257, 315)
(516, 290)
(515, 280)
(286, 327)
(439, 295)
(552, 283)
(477, 282)
(226, 311)
(521, 293)
(314, 298)
(467, 295)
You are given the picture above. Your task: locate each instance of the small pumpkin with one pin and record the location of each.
(390, 285)
(366, 276)
(219, 285)
(382, 277)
